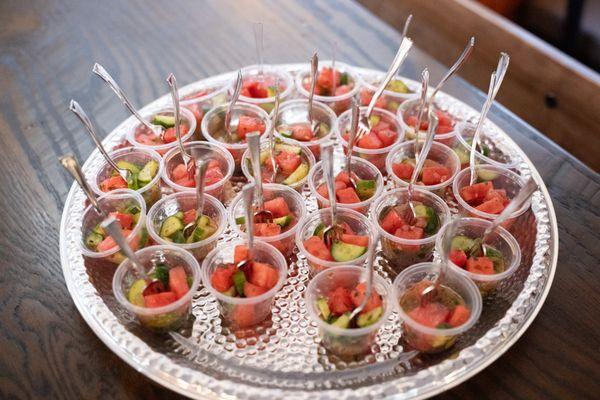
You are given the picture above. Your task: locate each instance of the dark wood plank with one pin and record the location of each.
(48, 49)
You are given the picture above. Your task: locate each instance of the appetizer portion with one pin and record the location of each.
(465, 252)
(186, 177)
(289, 165)
(349, 192)
(143, 135)
(167, 286)
(432, 173)
(484, 197)
(330, 82)
(382, 134)
(396, 92)
(345, 247)
(336, 308)
(244, 279)
(186, 227)
(139, 176)
(98, 240)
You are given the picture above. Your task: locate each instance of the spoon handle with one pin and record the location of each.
(70, 164)
(201, 167)
(352, 137)
(78, 111)
(406, 25)
(433, 124)
(516, 203)
(422, 105)
(314, 69)
(333, 57)
(258, 39)
(274, 115)
(113, 227)
(248, 196)
(253, 140)
(234, 98)
(175, 97)
(106, 77)
(459, 63)
(495, 82)
(327, 159)
(405, 46)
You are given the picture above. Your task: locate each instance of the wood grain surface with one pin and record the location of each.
(48, 48)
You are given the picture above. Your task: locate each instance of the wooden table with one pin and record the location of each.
(47, 350)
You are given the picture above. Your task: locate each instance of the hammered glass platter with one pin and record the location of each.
(283, 357)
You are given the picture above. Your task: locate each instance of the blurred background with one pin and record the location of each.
(553, 81)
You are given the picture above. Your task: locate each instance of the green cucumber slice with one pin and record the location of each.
(170, 226)
(342, 252)
(461, 242)
(93, 240)
(343, 321)
(239, 278)
(486, 175)
(323, 308)
(135, 294)
(148, 172)
(397, 86)
(319, 230)
(166, 121)
(128, 166)
(161, 272)
(283, 221)
(365, 188)
(298, 174)
(369, 318)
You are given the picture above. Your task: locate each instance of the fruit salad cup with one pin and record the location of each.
(165, 306)
(200, 101)
(330, 298)
(491, 193)
(440, 168)
(218, 174)
(349, 249)
(245, 118)
(140, 136)
(245, 294)
(489, 154)
(396, 92)
(145, 167)
(167, 221)
(346, 87)
(502, 258)
(368, 179)
(434, 326)
(292, 160)
(261, 90)
(407, 115)
(130, 209)
(286, 206)
(406, 242)
(292, 124)
(374, 146)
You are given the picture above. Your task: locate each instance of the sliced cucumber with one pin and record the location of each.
(143, 237)
(284, 131)
(374, 120)
(344, 77)
(128, 166)
(397, 86)
(239, 278)
(262, 157)
(342, 252)
(93, 240)
(486, 175)
(283, 221)
(369, 318)
(99, 230)
(429, 214)
(161, 272)
(365, 188)
(319, 230)
(178, 237)
(323, 308)
(298, 174)
(288, 148)
(179, 214)
(148, 172)
(132, 181)
(461, 242)
(498, 264)
(463, 154)
(343, 321)
(240, 220)
(323, 129)
(170, 226)
(230, 292)
(166, 121)
(271, 91)
(135, 294)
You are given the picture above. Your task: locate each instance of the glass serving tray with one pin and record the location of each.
(283, 358)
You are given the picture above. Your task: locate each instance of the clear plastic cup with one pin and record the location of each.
(214, 121)
(363, 170)
(139, 157)
(400, 252)
(114, 201)
(375, 156)
(439, 153)
(411, 108)
(199, 101)
(205, 151)
(359, 223)
(184, 201)
(305, 154)
(296, 112)
(270, 75)
(464, 131)
(168, 317)
(500, 239)
(389, 100)
(424, 338)
(346, 342)
(284, 242)
(187, 118)
(244, 312)
(339, 103)
(501, 178)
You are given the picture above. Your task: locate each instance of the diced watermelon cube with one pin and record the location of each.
(278, 207)
(249, 124)
(459, 316)
(251, 290)
(370, 141)
(159, 299)
(435, 175)
(430, 315)
(288, 162)
(494, 206)
(458, 257)
(113, 183)
(316, 246)
(302, 132)
(126, 220)
(358, 240)
(480, 265)
(340, 301)
(387, 136)
(347, 196)
(476, 192)
(189, 216)
(391, 222)
(243, 315)
(221, 279)
(358, 294)
(179, 172)
(240, 253)
(403, 170)
(178, 281)
(267, 229)
(264, 275)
